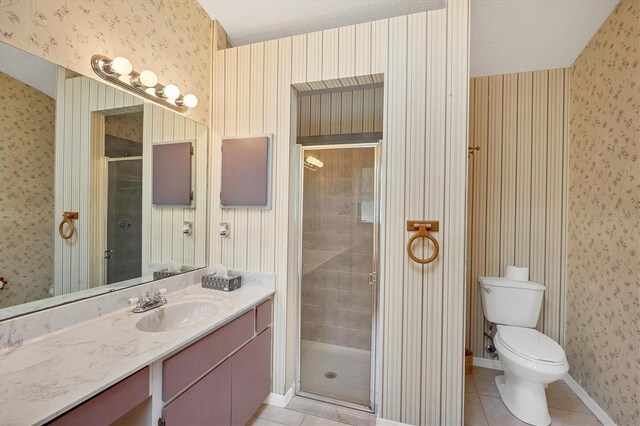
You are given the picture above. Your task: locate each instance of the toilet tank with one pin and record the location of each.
(511, 302)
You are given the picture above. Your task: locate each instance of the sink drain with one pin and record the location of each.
(330, 375)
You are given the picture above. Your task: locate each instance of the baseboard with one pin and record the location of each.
(384, 422)
(588, 401)
(279, 400)
(493, 364)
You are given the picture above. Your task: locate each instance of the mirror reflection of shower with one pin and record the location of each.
(123, 155)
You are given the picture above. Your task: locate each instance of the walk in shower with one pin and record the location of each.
(123, 168)
(124, 220)
(338, 273)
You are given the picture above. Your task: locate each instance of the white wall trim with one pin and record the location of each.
(588, 401)
(493, 364)
(279, 400)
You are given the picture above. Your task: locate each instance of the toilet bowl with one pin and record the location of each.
(531, 361)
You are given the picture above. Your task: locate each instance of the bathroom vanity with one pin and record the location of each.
(214, 370)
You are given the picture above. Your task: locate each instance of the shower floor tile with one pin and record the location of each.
(352, 368)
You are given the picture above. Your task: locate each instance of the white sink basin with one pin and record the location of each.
(176, 316)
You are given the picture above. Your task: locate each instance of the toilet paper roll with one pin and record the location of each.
(517, 274)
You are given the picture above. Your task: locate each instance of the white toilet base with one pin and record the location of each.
(526, 400)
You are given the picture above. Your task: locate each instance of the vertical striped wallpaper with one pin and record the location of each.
(81, 103)
(76, 168)
(162, 237)
(424, 58)
(517, 189)
(340, 113)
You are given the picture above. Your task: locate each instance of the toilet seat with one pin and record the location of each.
(532, 345)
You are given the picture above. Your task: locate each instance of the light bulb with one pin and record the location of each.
(171, 91)
(120, 65)
(146, 78)
(190, 100)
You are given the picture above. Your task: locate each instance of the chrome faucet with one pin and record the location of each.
(146, 303)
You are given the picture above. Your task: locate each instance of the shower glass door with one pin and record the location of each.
(123, 255)
(338, 273)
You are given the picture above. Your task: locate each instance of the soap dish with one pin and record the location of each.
(215, 282)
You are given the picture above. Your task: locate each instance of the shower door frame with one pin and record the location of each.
(105, 213)
(377, 199)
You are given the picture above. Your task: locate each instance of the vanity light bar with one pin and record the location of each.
(120, 72)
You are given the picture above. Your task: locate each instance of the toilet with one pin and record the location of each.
(530, 359)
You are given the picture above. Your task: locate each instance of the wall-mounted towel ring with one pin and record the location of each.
(424, 229)
(67, 218)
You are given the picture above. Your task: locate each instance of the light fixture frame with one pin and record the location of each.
(140, 91)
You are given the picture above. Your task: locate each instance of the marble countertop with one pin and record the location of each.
(47, 376)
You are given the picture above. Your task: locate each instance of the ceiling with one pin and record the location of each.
(250, 21)
(525, 35)
(506, 35)
(29, 69)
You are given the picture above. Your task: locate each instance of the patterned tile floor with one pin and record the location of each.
(304, 411)
(483, 407)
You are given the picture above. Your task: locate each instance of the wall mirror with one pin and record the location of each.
(76, 212)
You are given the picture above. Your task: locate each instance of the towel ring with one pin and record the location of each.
(68, 218)
(423, 227)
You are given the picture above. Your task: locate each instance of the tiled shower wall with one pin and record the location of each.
(337, 248)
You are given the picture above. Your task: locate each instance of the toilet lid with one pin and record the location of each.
(530, 343)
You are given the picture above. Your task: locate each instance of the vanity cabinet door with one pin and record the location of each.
(250, 378)
(188, 364)
(109, 405)
(263, 315)
(208, 402)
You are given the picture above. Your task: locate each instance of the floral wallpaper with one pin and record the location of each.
(602, 343)
(26, 178)
(170, 37)
(125, 126)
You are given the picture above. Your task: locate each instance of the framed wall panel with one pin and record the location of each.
(172, 174)
(246, 172)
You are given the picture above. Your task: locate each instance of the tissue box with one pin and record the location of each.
(218, 283)
(164, 273)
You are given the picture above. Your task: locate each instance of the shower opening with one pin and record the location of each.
(123, 256)
(338, 267)
(123, 135)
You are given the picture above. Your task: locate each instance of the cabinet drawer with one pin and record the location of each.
(208, 402)
(250, 378)
(263, 315)
(188, 364)
(111, 404)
